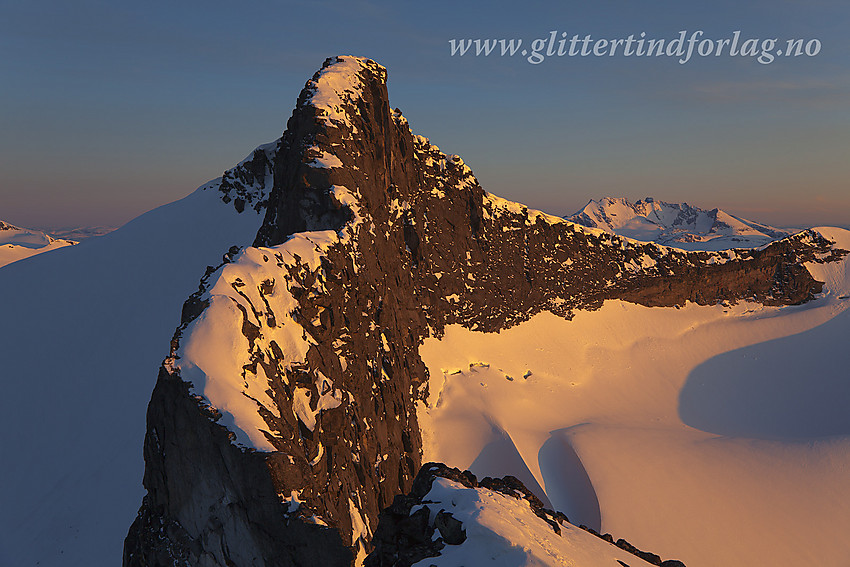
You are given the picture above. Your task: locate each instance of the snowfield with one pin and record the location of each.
(716, 435)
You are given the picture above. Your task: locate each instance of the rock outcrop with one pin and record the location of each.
(414, 528)
(283, 420)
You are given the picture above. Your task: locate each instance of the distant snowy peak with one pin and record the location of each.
(77, 233)
(18, 243)
(676, 225)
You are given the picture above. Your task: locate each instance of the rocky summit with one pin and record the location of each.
(283, 418)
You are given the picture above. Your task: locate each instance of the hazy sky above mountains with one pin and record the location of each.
(108, 109)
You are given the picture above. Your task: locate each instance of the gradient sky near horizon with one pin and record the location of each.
(111, 108)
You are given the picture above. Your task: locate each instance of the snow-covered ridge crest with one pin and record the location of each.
(248, 317)
(496, 206)
(496, 523)
(451, 518)
(338, 85)
(247, 335)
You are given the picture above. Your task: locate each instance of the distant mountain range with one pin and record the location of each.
(18, 243)
(78, 233)
(677, 225)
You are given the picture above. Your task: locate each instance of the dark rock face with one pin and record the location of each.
(206, 485)
(647, 556)
(424, 247)
(247, 184)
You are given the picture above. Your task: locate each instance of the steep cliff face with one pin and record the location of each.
(283, 420)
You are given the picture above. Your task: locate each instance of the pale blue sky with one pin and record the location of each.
(110, 108)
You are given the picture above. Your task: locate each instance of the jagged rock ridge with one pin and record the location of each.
(250, 182)
(283, 420)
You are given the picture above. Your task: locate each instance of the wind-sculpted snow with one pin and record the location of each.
(789, 388)
(623, 389)
(286, 410)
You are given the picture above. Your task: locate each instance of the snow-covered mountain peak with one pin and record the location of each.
(332, 93)
(295, 378)
(674, 224)
(338, 84)
(329, 100)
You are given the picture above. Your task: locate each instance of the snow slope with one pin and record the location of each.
(19, 243)
(717, 435)
(214, 354)
(676, 225)
(503, 531)
(79, 356)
